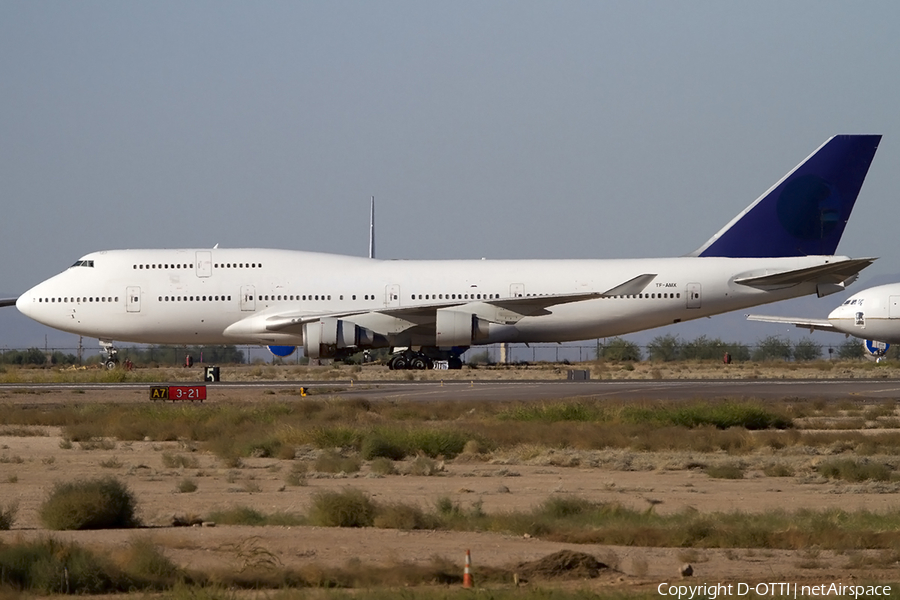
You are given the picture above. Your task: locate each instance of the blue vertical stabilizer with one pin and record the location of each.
(805, 213)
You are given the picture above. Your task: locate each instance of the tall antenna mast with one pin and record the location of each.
(372, 229)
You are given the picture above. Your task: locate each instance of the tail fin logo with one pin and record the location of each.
(809, 208)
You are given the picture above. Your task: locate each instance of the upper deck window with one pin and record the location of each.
(83, 263)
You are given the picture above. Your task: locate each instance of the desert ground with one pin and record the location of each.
(667, 482)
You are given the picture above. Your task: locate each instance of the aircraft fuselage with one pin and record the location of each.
(225, 296)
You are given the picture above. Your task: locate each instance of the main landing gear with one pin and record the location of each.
(412, 360)
(112, 355)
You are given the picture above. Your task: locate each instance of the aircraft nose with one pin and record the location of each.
(26, 304)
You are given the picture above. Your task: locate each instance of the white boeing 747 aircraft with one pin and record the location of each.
(872, 315)
(779, 247)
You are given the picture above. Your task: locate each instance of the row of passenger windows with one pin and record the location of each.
(194, 298)
(164, 266)
(299, 297)
(238, 265)
(181, 265)
(306, 297)
(669, 295)
(311, 297)
(455, 296)
(80, 300)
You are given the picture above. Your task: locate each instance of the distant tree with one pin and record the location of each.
(851, 348)
(175, 355)
(58, 358)
(807, 349)
(772, 348)
(618, 349)
(893, 352)
(664, 348)
(704, 348)
(737, 351)
(32, 356)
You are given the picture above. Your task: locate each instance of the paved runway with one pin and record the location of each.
(827, 389)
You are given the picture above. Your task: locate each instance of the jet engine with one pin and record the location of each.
(459, 328)
(875, 350)
(327, 338)
(281, 351)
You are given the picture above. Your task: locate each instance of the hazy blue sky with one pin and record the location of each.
(484, 129)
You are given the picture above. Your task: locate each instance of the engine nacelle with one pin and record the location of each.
(458, 328)
(325, 338)
(282, 351)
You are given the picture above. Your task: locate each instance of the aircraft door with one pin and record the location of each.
(516, 290)
(248, 298)
(392, 296)
(133, 299)
(204, 263)
(693, 295)
(894, 307)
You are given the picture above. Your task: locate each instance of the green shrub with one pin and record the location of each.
(383, 466)
(561, 507)
(403, 516)
(778, 470)
(336, 437)
(332, 462)
(437, 442)
(48, 566)
(348, 508)
(174, 461)
(851, 470)
(618, 349)
(8, 515)
(144, 562)
(187, 485)
(297, 474)
(378, 446)
(104, 503)
(423, 466)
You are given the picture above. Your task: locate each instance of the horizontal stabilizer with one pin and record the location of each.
(8, 301)
(811, 324)
(832, 272)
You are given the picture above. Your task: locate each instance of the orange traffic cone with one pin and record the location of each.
(467, 573)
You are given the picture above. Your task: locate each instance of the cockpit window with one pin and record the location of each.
(83, 263)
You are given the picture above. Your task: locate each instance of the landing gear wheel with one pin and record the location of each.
(399, 363)
(454, 362)
(419, 362)
(112, 358)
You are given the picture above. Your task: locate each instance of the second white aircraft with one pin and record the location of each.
(872, 315)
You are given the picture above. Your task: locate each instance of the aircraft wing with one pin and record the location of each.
(499, 310)
(834, 273)
(811, 324)
(8, 301)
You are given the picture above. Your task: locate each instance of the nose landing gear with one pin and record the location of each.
(112, 355)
